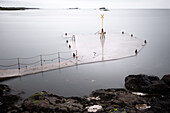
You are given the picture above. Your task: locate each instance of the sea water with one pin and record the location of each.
(34, 32)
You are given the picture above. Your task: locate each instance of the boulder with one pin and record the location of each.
(166, 79)
(4, 89)
(153, 78)
(47, 102)
(7, 100)
(137, 82)
(145, 83)
(116, 98)
(159, 87)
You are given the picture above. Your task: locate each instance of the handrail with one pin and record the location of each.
(20, 61)
(8, 65)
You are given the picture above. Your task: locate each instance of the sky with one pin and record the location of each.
(115, 4)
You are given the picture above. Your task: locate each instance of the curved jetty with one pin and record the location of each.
(84, 49)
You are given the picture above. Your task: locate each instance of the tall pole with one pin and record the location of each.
(102, 38)
(102, 16)
(19, 65)
(41, 59)
(59, 59)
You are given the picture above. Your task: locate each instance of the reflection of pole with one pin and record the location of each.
(102, 39)
(102, 53)
(76, 57)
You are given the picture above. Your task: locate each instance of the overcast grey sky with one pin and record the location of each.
(90, 3)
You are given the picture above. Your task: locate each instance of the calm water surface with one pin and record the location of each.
(34, 32)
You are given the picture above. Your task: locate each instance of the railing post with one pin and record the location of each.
(19, 64)
(59, 58)
(41, 60)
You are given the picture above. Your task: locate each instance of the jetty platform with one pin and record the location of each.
(84, 49)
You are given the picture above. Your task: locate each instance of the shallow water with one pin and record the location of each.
(34, 32)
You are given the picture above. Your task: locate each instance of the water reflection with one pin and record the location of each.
(102, 40)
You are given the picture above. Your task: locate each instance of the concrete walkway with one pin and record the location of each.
(90, 49)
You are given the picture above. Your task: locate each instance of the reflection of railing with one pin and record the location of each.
(42, 59)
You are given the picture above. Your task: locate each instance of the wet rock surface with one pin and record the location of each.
(105, 100)
(148, 84)
(166, 79)
(7, 100)
(47, 102)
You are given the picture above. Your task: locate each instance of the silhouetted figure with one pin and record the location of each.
(123, 32)
(66, 41)
(145, 42)
(131, 35)
(69, 46)
(102, 35)
(102, 31)
(65, 34)
(74, 55)
(136, 51)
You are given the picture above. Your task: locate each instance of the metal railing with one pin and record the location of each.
(42, 59)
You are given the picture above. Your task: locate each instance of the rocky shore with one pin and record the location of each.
(7, 100)
(143, 94)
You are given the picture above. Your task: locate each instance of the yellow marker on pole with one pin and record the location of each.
(102, 16)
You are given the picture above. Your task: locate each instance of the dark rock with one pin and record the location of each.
(4, 89)
(117, 98)
(109, 100)
(160, 106)
(46, 102)
(103, 9)
(159, 87)
(5, 97)
(145, 83)
(105, 94)
(166, 79)
(137, 82)
(153, 78)
(8, 100)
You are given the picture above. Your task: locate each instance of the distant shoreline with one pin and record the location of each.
(76, 8)
(15, 8)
